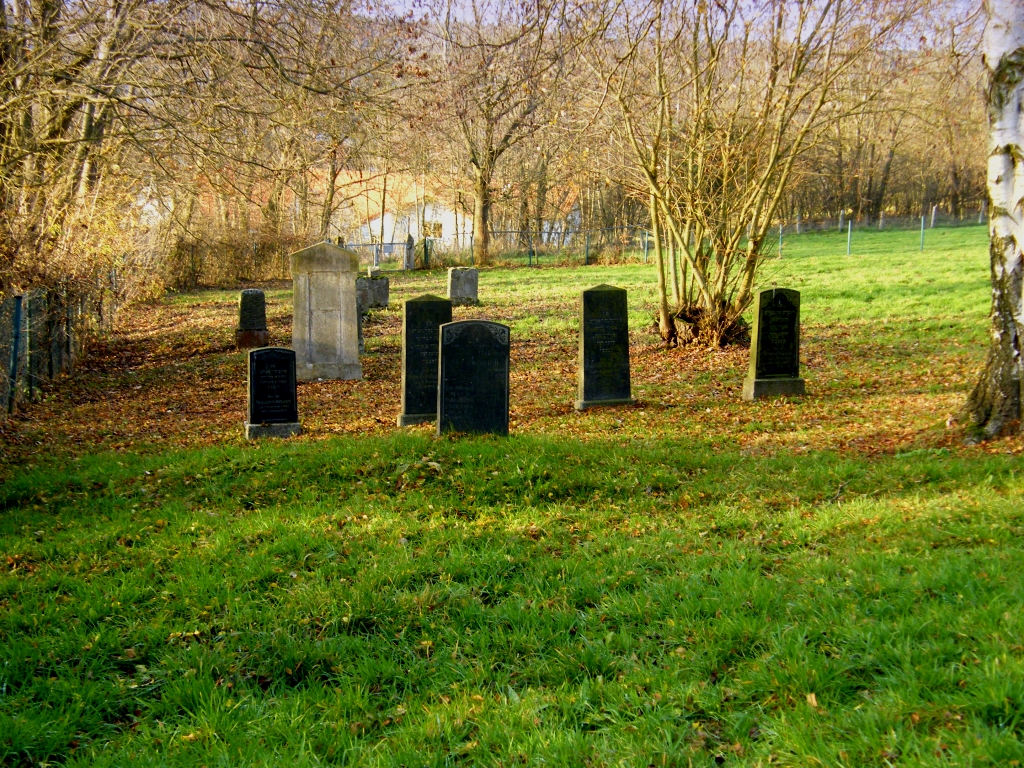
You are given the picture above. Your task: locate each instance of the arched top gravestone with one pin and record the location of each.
(252, 320)
(473, 376)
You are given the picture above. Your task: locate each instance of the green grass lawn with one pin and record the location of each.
(633, 587)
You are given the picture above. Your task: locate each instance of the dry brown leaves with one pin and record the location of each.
(170, 378)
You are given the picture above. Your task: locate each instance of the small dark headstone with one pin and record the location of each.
(775, 346)
(604, 348)
(252, 320)
(273, 406)
(362, 309)
(472, 392)
(422, 318)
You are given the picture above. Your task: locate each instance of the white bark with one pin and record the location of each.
(996, 400)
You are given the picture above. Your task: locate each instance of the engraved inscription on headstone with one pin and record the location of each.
(473, 375)
(422, 317)
(604, 348)
(775, 346)
(273, 408)
(252, 320)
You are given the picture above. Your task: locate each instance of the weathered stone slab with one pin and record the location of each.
(462, 285)
(252, 320)
(272, 402)
(473, 376)
(379, 292)
(325, 323)
(775, 346)
(421, 321)
(604, 348)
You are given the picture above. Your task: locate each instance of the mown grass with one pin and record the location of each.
(631, 587)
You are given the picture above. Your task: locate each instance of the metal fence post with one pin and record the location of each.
(586, 251)
(849, 236)
(922, 233)
(647, 239)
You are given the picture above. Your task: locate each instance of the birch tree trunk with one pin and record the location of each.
(995, 403)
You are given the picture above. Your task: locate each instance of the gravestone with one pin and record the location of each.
(775, 346)
(379, 292)
(462, 285)
(472, 390)
(604, 348)
(409, 261)
(362, 309)
(252, 320)
(273, 407)
(325, 321)
(422, 318)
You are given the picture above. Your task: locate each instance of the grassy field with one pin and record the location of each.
(692, 581)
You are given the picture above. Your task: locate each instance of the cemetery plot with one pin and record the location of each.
(889, 345)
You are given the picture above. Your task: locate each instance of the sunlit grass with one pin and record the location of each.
(693, 581)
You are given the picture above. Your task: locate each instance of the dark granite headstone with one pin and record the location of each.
(273, 407)
(362, 310)
(775, 346)
(252, 320)
(604, 348)
(422, 318)
(472, 391)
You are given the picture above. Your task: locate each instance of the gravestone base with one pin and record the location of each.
(343, 371)
(257, 431)
(251, 339)
(755, 389)
(412, 419)
(582, 405)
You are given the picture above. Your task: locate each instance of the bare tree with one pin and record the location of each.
(716, 102)
(497, 70)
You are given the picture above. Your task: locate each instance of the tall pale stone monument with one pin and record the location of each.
(325, 321)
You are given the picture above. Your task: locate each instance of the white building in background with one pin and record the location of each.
(407, 204)
(431, 219)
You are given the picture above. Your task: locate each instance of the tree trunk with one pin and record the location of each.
(666, 324)
(995, 403)
(327, 212)
(481, 216)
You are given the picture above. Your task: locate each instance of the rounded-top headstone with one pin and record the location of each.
(252, 310)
